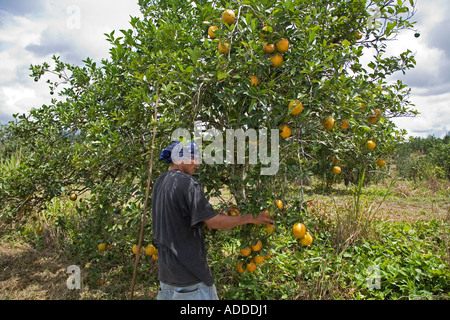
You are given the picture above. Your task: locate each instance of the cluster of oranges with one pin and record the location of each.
(299, 231)
(282, 46)
(254, 255)
(150, 250)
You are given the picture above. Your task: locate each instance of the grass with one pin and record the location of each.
(405, 236)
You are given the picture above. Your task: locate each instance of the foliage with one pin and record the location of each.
(424, 158)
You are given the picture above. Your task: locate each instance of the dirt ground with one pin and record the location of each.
(29, 274)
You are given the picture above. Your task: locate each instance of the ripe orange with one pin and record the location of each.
(101, 247)
(268, 48)
(269, 228)
(285, 131)
(283, 45)
(73, 196)
(251, 266)
(377, 112)
(266, 28)
(254, 80)
(246, 251)
(258, 259)
(345, 125)
(328, 123)
(372, 118)
(358, 35)
(370, 144)
(135, 249)
(307, 239)
(298, 230)
(211, 32)
(381, 163)
(224, 47)
(279, 204)
(233, 211)
(335, 160)
(336, 170)
(155, 256)
(256, 245)
(239, 267)
(150, 250)
(228, 16)
(296, 107)
(276, 60)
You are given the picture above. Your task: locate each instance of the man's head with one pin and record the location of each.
(184, 158)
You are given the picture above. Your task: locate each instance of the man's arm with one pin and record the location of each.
(228, 222)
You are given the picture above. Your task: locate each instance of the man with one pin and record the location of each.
(179, 210)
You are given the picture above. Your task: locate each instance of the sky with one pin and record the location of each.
(32, 31)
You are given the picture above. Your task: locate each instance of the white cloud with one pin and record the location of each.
(32, 31)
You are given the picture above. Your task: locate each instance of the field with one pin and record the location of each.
(401, 252)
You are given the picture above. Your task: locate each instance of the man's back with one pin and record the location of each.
(179, 208)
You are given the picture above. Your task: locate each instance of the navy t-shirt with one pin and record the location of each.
(179, 207)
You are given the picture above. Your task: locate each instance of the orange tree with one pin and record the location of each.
(294, 65)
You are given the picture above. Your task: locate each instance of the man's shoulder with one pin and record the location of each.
(179, 176)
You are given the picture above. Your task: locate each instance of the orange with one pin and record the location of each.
(224, 47)
(101, 247)
(150, 250)
(239, 267)
(211, 32)
(358, 35)
(233, 211)
(285, 131)
(228, 16)
(296, 107)
(377, 112)
(336, 170)
(283, 45)
(135, 249)
(328, 123)
(246, 251)
(370, 144)
(254, 80)
(73, 196)
(298, 230)
(381, 163)
(335, 160)
(155, 256)
(269, 228)
(266, 28)
(276, 60)
(268, 48)
(251, 266)
(258, 259)
(307, 239)
(372, 118)
(279, 204)
(345, 125)
(256, 245)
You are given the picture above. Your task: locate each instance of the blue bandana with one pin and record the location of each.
(175, 152)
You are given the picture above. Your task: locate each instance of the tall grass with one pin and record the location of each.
(355, 219)
(11, 163)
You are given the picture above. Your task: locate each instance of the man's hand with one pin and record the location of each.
(227, 222)
(262, 218)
